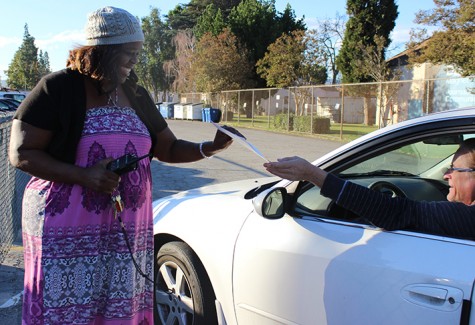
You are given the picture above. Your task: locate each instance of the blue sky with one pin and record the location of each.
(57, 25)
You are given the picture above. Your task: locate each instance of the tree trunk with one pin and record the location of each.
(369, 111)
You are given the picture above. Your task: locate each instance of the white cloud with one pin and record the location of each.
(9, 41)
(62, 38)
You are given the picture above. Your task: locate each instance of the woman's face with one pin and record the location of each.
(127, 59)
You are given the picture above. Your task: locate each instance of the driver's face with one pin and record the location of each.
(462, 184)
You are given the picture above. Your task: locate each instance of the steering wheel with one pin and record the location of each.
(388, 189)
(385, 187)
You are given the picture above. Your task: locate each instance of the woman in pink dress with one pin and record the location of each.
(81, 265)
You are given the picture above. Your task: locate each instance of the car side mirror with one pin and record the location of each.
(271, 203)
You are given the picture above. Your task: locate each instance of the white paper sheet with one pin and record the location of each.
(241, 141)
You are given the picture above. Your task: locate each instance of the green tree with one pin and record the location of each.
(253, 22)
(220, 63)
(281, 63)
(186, 16)
(180, 18)
(211, 21)
(455, 34)
(225, 5)
(157, 49)
(367, 19)
(43, 63)
(257, 24)
(287, 22)
(288, 63)
(27, 68)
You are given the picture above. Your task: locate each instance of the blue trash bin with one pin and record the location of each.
(208, 114)
(214, 115)
(205, 114)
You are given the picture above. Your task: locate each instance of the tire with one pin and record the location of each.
(183, 292)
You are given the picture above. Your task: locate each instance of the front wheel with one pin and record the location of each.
(183, 292)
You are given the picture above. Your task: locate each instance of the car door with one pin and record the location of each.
(317, 271)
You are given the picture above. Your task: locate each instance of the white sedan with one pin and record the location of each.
(270, 251)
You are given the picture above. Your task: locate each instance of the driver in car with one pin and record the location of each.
(455, 217)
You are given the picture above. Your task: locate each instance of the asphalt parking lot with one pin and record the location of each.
(235, 163)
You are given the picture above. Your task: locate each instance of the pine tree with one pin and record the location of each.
(367, 19)
(212, 21)
(43, 63)
(27, 67)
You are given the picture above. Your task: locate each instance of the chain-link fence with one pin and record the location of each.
(12, 185)
(344, 106)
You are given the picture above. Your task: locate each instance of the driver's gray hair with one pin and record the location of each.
(467, 147)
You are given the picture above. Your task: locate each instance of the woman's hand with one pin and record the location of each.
(222, 141)
(99, 178)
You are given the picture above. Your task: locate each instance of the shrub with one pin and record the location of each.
(321, 125)
(304, 124)
(284, 122)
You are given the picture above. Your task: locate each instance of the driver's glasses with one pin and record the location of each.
(459, 169)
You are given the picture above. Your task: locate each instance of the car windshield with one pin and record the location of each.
(413, 159)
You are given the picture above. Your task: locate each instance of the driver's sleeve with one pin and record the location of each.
(441, 218)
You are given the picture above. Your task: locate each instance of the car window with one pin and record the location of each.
(415, 158)
(415, 168)
(18, 97)
(310, 201)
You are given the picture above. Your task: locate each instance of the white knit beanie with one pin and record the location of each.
(110, 25)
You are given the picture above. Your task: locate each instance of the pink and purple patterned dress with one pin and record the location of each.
(78, 269)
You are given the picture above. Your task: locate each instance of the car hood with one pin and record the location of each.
(236, 188)
(212, 197)
(195, 213)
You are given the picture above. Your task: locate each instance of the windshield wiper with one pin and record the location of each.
(380, 172)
